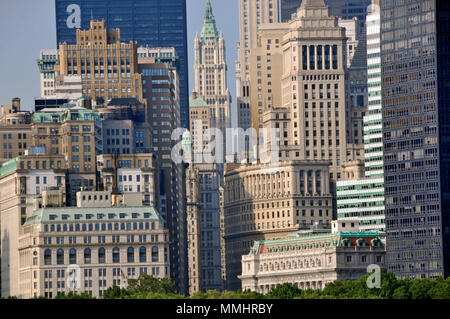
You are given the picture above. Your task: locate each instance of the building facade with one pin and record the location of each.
(107, 67)
(363, 198)
(139, 22)
(264, 203)
(414, 80)
(15, 131)
(311, 259)
(74, 133)
(88, 250)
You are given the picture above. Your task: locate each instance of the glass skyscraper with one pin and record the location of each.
(153, 23)
(346, 9)
(415, 79)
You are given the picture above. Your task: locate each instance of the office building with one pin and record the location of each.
(88, 250)
(107, 67)
(21, 180)
(210, 69)
(346, 9)
(363, 198)
(262, 203)
(313, 258)
(15, 131)
(154, 23)
(416, 122)
(74, 133)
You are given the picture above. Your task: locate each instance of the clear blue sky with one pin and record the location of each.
(33, 22)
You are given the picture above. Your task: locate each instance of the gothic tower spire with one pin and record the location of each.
(209, 29)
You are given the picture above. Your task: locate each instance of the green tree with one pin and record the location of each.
(440, 289)
(284, 291)
(420, 288)
(146, 284)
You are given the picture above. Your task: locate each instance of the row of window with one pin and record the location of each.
(101, 255)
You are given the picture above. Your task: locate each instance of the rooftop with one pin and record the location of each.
(315, 239)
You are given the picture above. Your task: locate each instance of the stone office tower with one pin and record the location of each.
(211, 72)
(210, 106)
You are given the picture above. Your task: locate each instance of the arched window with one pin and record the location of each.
(142, 255)
(101, 255)
(72, 256)
(116, 255)
(87, 256)
(48, 257)
(60, 257)
(155, 254)
(130, 255)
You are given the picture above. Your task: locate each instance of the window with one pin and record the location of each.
(101, 256)
(155, 254)
(142, 255)
(60, 257)
(130, 255)
(116, 255)
(48, 257)
(87, 256)
(72, 256)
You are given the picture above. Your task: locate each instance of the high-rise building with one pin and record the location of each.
(251, 14)
(209, 109)
(160, 69)
(210, 69)
(153, 23)
(263, 203)
(15, 131)
(416, 126)
(75, 134)
(108, 68)
(363, 198)
(99, 255)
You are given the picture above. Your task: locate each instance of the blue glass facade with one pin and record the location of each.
(154, 23)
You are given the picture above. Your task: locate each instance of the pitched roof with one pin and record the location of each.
(209, 29)
(198, 102)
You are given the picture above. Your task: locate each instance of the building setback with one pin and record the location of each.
(416, 126)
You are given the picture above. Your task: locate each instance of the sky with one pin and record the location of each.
(28, 26)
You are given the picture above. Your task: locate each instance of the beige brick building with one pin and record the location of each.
(108, 68)
(75, 133)
(15, 131)
(264, 203)
(311, 259)
(130, 173)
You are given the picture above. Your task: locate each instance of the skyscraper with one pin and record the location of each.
(209, 109)
(416, 126)
(363, 198)
(156, 23)
(346, 9)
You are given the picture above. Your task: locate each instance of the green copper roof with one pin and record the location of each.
(209, 29)
(74, 114)
(198, 102)
(93, 215)
(9, 166)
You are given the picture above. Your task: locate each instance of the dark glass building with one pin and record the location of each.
(154, 23)
(415, 64)
(346, 9)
